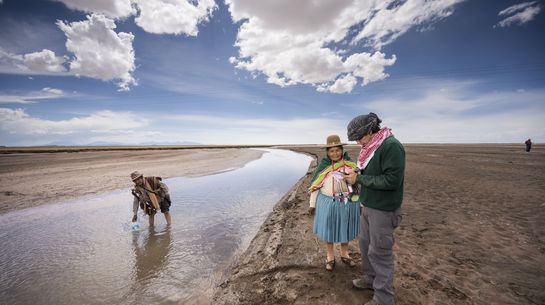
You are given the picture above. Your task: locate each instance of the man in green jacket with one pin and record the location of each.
(382, 170)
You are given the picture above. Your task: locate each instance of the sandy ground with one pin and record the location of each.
(31, 179)
(473, 233)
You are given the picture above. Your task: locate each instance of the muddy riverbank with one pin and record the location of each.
(472, 233)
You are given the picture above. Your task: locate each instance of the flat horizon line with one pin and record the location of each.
(77, 148)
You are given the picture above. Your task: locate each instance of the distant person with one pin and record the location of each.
(336, 214)
(382, 170)
(151, 194)
(528, 145)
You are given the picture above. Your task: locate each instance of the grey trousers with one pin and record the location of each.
(376, 242)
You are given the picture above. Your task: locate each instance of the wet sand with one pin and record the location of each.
(473, 233)
(31, 179)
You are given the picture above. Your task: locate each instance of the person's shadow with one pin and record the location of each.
(152, 254)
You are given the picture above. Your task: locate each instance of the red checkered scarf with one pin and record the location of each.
(368, 151)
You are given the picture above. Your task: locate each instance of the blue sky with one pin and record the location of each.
(76, 72)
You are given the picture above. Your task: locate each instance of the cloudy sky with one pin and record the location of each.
(77, 72)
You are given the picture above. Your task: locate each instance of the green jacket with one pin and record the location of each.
(382, 180)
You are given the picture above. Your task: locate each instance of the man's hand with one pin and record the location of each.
(311, 211)
(134, 218)
(350, 176)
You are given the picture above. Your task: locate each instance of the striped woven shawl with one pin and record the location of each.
(337, 166)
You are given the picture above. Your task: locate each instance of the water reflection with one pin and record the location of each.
(83, 252)
(151, 252)
(151, 248)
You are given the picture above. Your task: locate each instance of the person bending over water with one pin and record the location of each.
(151, 194)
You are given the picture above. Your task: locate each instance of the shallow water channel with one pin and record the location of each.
(84, 252)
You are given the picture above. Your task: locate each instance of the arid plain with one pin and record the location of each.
(472, 231)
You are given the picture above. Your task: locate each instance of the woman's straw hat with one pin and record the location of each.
(135, 175)
(333, 140)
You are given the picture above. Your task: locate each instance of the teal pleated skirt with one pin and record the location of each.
(334, 221)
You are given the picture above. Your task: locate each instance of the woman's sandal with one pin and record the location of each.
(348, 261)
(330, 265)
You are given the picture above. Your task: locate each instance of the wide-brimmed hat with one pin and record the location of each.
(333, 140)
(135, 175)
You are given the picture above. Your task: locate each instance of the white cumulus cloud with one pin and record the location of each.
(296, 42)
(110, 8)
(97, 52)
(519, 14)
(173, 17)
(100, 52)
(342, 85)
(369, 67)
(44, 61)
(11, 63)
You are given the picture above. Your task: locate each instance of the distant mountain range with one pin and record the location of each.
(103, 143)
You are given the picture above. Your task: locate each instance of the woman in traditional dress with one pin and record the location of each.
(334, 203)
